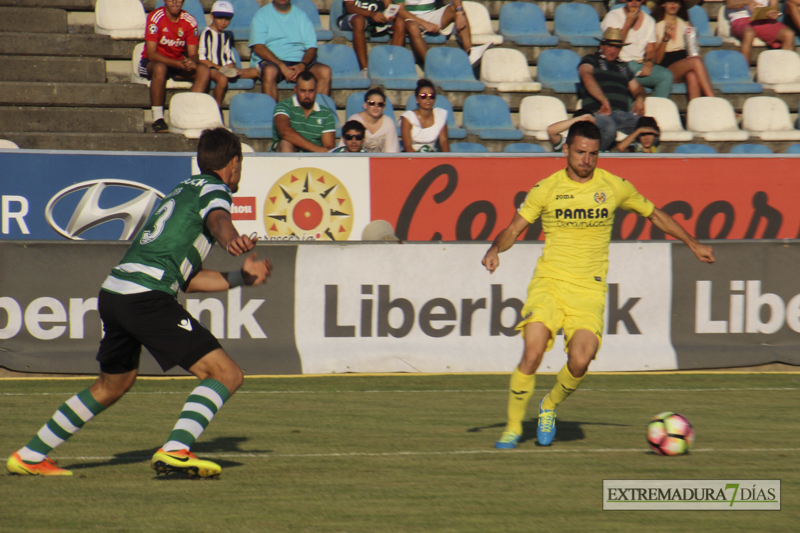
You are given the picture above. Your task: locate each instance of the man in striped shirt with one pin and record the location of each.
(607, 88)
(138, 307)
(300, 124)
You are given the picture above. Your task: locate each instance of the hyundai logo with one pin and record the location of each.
(89, 214)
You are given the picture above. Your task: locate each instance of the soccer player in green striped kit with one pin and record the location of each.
(138, 307)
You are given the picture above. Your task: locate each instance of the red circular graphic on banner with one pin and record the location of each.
(307, 214)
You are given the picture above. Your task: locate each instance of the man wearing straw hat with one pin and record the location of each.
(609, 89)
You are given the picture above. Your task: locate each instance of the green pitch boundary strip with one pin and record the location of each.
(417, 374)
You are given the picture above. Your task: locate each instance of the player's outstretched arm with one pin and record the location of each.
(254, 272)
(220, 225)
(504, 240)
(667, 224)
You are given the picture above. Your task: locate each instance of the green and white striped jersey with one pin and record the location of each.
(174, 241)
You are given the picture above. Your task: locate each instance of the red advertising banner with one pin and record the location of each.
(430, 199)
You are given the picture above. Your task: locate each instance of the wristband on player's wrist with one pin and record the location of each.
(236, 278)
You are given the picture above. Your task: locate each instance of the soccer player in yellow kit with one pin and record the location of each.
(577, 207)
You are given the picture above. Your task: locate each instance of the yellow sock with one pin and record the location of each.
(520, 392)
(565, 385)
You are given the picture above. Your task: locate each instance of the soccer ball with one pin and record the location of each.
(670, 434)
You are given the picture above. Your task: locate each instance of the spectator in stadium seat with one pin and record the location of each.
(766, 27)
(422, 16)
(284, 44)
(381, 129)
(170, 51)
(300, 124)
(216, 50)
(352, 138)
(555, 129)
(671, 18)
(643, 140)
(365, 18)
(425, 129)
(791, 16)
(639, 32)
(607, 88)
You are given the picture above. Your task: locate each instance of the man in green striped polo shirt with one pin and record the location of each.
(609, 89)
(300, 124)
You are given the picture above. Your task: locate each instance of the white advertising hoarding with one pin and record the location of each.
(302, 198)
(434, 308)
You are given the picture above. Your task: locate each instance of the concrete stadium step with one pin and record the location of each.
(51, 44)
(139, 142)
(85, 120)
(116, 95)
(53, 69)
(39, 20)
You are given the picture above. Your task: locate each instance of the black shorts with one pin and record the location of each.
(172, 72)
(156, 320)
(673, 57)
(281, 77)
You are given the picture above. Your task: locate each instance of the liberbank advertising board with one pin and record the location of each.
(108, 196)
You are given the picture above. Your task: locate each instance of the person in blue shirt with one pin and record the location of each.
(284, 44)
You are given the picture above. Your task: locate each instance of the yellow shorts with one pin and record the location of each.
(559, 304)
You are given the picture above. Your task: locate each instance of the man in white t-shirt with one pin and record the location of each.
(639, 33)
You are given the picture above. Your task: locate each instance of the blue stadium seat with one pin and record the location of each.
(488, 116)
(729, 72)
(251, 115)
(355, 104)
(695, 148)
(449, 68)
(524, 23)
(468, 148)
(453, 131)
(699, 19)
(558, 70)
(793, 149)
(524, 148)
(195, 9)
(243, 13)
(577, 24)
(345, 70)
(393, 67)
(750, 149)
(327, 101)
(313, 14)
(337, 10)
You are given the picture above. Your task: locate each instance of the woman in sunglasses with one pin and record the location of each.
(425, 129)
(671, 23)
(381, 134)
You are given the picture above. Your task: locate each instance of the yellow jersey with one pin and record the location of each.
(577, 219)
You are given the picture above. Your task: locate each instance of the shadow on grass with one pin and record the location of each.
(566, 430)
(217, 445)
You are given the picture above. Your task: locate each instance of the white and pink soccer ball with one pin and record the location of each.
(670, 434)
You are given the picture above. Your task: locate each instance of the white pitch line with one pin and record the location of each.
(537, 450)
(442, 391)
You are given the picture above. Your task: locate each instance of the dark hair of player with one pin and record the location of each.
(374, 90)
(307, 75)
(353, 125)
(425, 84)
(584, 129)
(216, 148)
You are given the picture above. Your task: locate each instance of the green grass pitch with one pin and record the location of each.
(403, 454)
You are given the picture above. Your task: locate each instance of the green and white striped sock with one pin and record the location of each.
(200, 408)
(69, 418)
